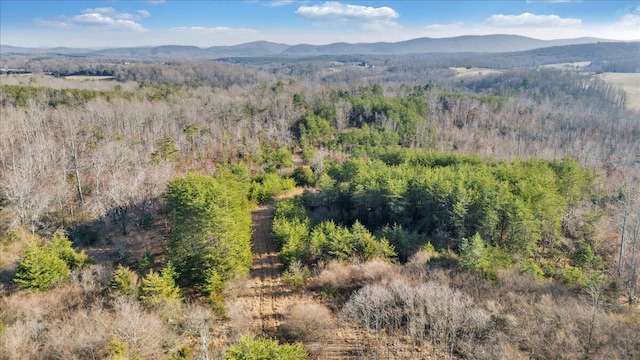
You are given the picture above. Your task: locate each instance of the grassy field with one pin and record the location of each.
(101, 83)
(464, 72)
(568, 66)
(629, 82)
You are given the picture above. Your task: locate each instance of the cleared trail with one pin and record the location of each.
(268, 299)
(267, 294)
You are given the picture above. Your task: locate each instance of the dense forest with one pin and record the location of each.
(479, 217)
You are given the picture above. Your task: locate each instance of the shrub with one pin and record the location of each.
(264, 349)
(158, 289)
(304, 176)
(532, 269)
(308, 321)
(296, 276)
(40, 269)
(269, 185)
(124, 282)
(275, 158)
(146, 262)
(61, 245)
(572, 276)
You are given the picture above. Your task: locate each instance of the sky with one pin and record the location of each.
(102, 24)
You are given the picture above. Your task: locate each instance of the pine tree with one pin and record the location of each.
(124, 282)
(40, 269)
(160, 288)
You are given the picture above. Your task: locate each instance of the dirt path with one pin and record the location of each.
(267, 296)
(268, 299)
(267, 290)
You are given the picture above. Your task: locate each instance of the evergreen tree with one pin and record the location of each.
(40, 269)
(159, 288)
(124, 282)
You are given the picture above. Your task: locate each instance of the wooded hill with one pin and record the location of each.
(484, 43)
(486, 217)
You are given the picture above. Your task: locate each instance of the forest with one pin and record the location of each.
(407, 211)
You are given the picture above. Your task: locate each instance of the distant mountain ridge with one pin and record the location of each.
(459, 44)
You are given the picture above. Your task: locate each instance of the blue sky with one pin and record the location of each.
(99, 24)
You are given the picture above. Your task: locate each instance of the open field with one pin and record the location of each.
(568, 66)
(84, 77)
(629, 82)
(101, 83)
(464, 72)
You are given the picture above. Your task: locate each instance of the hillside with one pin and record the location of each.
(461, 44)
(319, 208)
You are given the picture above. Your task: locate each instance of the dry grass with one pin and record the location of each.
(343, 276)
(517, 317)
(474, 72)
(88, 78)
(76, 321)
(567, 66)
(102, 83)
(308, 321)
(629, 82)
(238, 313)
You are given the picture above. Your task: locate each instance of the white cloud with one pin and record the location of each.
(529, 19)
(631, 19)
(627, 27)
(335, 11)
(277, 3)
(104, 18)
(155, 2)
(102, 10)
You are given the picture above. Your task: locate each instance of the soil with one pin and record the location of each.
(268, 298)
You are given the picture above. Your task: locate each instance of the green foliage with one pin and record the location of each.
(124, 282)
(117, 349)
(266, 186)
(484, 259)
(40, 269)
(404, 242)
(296, 276)
(166, 150)
(158, 289)
(184, 353)
(572, 276)
(146, 262)
(586, 257)
(314, 130)
(264, 349)
(298, 99)
(366, 139)
(574, 183)
(304, 176)
(274, 157)
(291, 224)
(517, 208)
(61, 245)
(299, 241)
(402, 115)
(532, 269)
(48, 263)
(214, 287)
(211, 227)
(19, 95)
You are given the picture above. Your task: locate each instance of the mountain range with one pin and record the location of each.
(460, 44)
